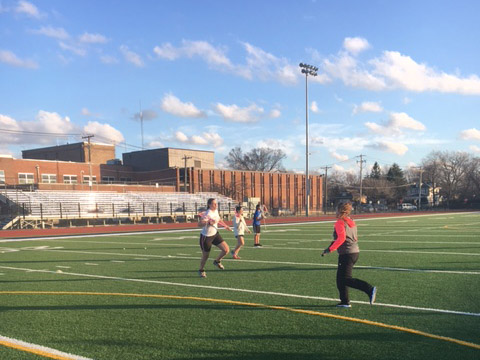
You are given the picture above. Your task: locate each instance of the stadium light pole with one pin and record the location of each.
(312, 71)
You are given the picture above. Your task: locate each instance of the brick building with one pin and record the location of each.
(154, 170)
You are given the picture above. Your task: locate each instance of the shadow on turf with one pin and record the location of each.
(141, 306)
(255, 270)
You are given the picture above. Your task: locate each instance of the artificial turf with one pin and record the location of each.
(419, 262)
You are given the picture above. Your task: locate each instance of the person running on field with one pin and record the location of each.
(257, 218)
(210, 220)
(239, 227)
(345, 241)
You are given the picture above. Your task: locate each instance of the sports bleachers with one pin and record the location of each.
(80, 204)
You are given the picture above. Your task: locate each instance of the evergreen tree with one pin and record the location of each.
(397, 179)
(376, 171)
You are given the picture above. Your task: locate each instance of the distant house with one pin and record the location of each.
(427, 196)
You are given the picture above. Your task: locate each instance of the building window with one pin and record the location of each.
(70, 179)
(86, 179)
(25, 178)
(125, 179)
(49, 178)
(2, 177)
(108, 179)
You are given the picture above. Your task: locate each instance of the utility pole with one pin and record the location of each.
(420, 189)
(185, 157)
(326, 189)
(361, 175)
(90, 182)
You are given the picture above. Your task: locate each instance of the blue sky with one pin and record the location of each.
(396, 80)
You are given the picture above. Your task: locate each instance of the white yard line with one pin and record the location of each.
(38, 349)
(453, 312)
(270, 262)
(137, 233)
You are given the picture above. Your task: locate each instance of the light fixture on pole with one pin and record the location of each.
(312, 71)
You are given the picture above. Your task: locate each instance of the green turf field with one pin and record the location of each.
(427, 269)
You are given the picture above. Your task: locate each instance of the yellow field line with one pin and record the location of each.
(241, 303)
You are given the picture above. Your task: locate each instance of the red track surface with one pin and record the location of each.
(10, 234)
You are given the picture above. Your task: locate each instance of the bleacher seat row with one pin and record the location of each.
(76, 203)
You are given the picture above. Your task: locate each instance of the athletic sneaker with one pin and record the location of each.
(373, 295)
(218, 264)
(236, 257)
(257, 245)
(344, 305)
(202, 273)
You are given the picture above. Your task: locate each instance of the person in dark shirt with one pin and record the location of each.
(257, 217)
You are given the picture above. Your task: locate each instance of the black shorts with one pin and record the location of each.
(256, 229)
(206, 242)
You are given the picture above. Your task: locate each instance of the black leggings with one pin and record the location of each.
(345, 280)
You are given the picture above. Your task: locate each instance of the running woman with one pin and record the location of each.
(257, 217)
(210, 235)
(239, 227)
(345, 241)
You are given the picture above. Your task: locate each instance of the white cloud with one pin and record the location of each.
(172, 105)
(389, 146)
(235, 113)
(346, 68)
(180, 136)
(167, 51)
(274, 114)
(27, 8)
(355, 45)
(259, 64)
(92, 38)
(338, 168)
(86, 112)
(10, 58)
(396, 124)
(103, 131)
(202, 49)
(56, 33)
(338, 156)
(266, 66)
(46, 121)
(407, 100)
(72, 48)
(367, 106)
(8, 123)
(470, 134)
(402, 120)
(206, 138)
(155, 144)
(287, 146)
(401, 71)
(392, 70)
(475, 149)
(314, 107)
(131, 56)
(107, 59)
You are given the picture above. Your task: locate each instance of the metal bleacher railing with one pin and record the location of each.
(68, 205)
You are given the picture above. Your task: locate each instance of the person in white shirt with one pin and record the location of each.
(210, 220)
(239, 227)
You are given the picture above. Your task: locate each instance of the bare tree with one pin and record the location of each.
(258, 159)
(454, 167)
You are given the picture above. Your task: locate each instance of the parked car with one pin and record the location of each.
(366, 208)
(380, 207)
(406, 207)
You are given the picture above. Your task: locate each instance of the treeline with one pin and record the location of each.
(453, 176)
